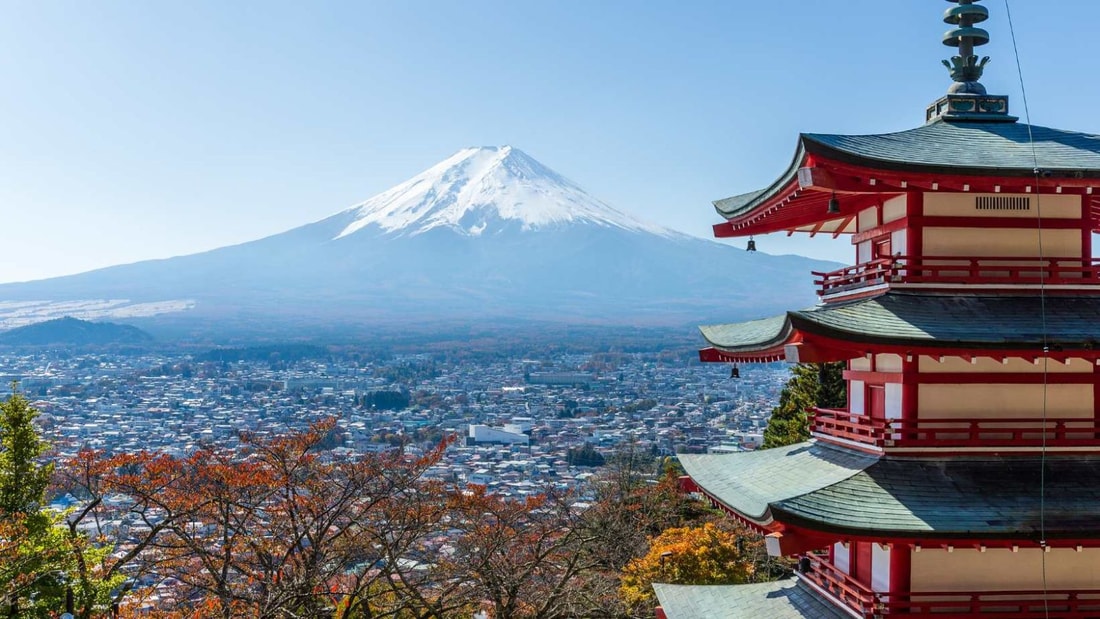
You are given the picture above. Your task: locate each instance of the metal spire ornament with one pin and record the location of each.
(966, 100)
(965, 68)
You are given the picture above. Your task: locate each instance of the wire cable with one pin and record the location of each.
(1042, 314)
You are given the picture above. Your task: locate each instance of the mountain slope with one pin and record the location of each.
(489, 233)
(73, 332)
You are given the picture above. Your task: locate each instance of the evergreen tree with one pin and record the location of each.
(810, 385)
(23, 477)
(584, 456)
(31, 555)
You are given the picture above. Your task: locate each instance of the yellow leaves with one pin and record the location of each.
(704, 555)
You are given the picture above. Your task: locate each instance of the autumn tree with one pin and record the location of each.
(274, 528)
(632, 500)
(523, 556)
(810, 385)
(710, 554)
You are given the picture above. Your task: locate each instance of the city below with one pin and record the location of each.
(516, 418)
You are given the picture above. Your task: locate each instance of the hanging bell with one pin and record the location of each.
(752, 244)
(735, 372)
(834, 205)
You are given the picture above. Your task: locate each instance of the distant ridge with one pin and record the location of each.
(74, 332)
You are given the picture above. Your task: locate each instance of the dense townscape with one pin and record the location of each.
(517, 418)
(424, 484)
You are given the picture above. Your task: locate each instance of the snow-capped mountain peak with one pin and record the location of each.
(483, 190)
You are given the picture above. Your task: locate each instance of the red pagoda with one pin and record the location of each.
(962, 479)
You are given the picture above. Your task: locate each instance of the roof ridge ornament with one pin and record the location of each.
(965, 68)
(966, 99)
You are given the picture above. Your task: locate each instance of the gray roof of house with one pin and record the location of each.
(921, 319)
(988, 497)
(950, 148)
(783, 599)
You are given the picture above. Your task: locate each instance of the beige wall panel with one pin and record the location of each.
(868, 218)
(1000, 242)
(893, 209)
(841, 557)
(860, 364)
(863, 252)
(963, 205)
(888, 363)
(997, 569)
(991, 401)
(985, 365)
(899, 242)
(856, 405)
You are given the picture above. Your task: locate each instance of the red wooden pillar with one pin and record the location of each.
(901, 570)
(1086, 231)
(914, 211)
(1095, 398)
(860, 559)
(910, 390)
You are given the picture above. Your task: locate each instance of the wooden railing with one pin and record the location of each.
(872, 273)
(1059, 604)
(1006, 271)
(848, 426)
(1005, 432)
(839, 585)
(1024, 604)
(992, 432)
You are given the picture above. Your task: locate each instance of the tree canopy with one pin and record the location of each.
(810, 385)
(710, 554)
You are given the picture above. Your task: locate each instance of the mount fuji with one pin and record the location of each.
(487, 234)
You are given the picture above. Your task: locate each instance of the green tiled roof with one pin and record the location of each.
(974, 321)
(963, 148)
(917, 319)
(974, 147)
(764, 477)
(959, 497)
(783, 599)
(754, 334)
(735, 204)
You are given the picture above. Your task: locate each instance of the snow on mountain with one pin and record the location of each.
(484, 190)
(487, 235)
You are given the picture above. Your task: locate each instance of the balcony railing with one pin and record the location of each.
(841, 424)
(992, 432)
(839, 585)
(953, 270)
(1052, 604)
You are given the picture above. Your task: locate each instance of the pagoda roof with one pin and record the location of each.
(939, 149)
(820, 488)
(974, 148)
(782, 599)
(916, 320)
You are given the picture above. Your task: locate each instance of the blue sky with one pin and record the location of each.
(145, 130)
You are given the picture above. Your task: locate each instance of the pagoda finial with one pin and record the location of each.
(966, 100)
(965, 68)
